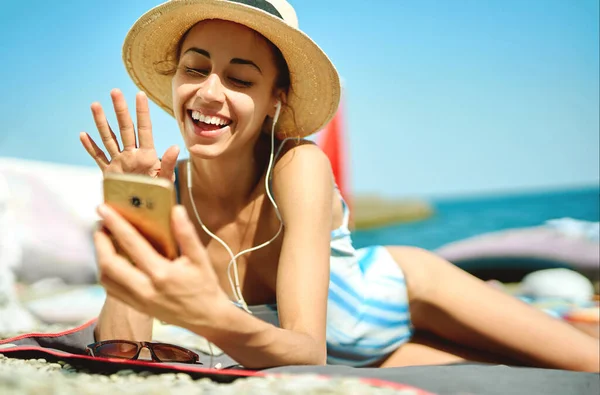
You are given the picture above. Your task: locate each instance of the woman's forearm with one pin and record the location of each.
(256, 344)
(119, 321)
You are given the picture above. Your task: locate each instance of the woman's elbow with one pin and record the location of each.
(320, 354)
(315, 352)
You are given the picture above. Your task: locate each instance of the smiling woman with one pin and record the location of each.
(227, 74)
(260, 224)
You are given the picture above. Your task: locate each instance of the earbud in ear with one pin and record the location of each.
(277, 111)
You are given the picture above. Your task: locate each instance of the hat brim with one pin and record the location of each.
(315, 86)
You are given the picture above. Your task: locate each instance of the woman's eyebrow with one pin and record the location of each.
(247, 62)
(199, 51)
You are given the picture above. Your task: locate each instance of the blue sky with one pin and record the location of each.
(446, 97)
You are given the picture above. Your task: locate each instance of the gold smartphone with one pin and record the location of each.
(147, 203)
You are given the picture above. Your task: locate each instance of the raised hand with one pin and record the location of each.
(137, 155)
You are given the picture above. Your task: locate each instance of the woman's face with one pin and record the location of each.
(223, 87)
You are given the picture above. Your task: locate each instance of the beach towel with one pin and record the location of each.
(481, 379)
(69, 346)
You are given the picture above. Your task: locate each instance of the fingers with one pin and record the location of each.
(106, 134)
(187, 238)
(113, 268)
(119, 277)
(124, 119)
(137, 248)
(168, 163)
(95, 152)
(143, 121)
(104, 246)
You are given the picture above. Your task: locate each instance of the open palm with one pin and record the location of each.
(138, 155)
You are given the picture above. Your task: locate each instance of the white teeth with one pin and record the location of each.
(197, 116)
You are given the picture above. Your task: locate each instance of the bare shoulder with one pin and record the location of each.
(301, 158)
(303, 182)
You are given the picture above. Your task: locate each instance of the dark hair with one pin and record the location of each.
(283, 72)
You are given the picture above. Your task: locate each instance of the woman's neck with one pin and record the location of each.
(229, 182)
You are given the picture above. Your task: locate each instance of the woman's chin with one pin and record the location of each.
(206, 148)
(204, 151)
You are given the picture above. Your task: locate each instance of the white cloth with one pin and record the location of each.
(558, 283)
(13, 317)
(576, 228)
(54, 211)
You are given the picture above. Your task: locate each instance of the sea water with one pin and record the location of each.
(457, 219)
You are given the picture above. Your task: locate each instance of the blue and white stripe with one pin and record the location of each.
(367, 313)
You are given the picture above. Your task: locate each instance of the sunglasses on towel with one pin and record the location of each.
(126, 349)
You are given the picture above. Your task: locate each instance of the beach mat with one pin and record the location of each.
(471, 378)
(69, 347)
(481, 379)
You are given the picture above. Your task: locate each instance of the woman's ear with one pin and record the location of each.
(279, 101)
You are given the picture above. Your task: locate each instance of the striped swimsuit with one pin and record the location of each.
(367, 309)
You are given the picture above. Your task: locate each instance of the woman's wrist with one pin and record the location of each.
(216, 314)
(120, 321)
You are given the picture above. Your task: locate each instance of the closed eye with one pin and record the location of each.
(196, 72)
(243, 83)
(204, 73)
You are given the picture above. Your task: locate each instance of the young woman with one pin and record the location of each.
(245, 86)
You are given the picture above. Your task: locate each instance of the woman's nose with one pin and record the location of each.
(211, 89)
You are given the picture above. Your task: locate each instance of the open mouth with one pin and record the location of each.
(208, 122)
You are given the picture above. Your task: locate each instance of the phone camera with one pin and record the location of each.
(135, 201)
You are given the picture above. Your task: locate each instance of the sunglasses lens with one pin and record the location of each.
(167, 353)
(117, 350)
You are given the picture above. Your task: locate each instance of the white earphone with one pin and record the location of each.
(235, 281)
(277, 111)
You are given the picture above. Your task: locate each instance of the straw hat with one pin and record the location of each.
(315, 86)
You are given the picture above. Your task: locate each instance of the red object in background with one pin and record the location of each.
(332, 140)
